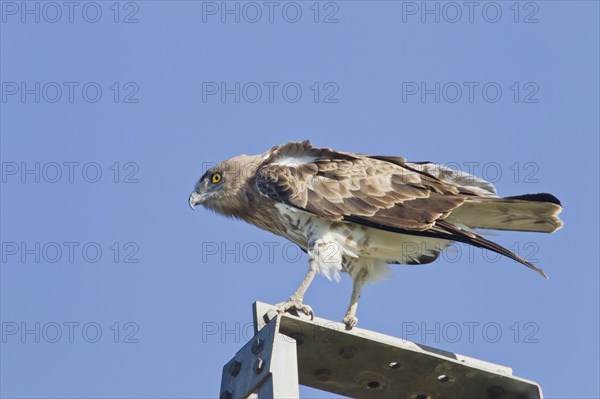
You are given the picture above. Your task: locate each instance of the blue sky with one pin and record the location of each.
(110, 112)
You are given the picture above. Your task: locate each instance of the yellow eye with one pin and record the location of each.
(216, 178)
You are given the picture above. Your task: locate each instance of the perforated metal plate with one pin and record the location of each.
(364, 364)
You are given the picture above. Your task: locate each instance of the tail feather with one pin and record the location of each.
(540, 197)
(461, 235)
(530, 212)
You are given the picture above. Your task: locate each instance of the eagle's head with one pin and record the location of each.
(223, 188)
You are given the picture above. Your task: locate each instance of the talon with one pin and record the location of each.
(350, 321)
(294, 304)
(308, 311)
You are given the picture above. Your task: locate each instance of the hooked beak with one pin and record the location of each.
(195, 199)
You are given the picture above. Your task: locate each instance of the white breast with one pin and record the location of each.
(347, 247)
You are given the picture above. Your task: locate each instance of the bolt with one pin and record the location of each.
(234, 368)
(225, 395)
(257, 345)
(348, 352)
(258, 366)
(323, 374)
(495, 391)
(270, 315)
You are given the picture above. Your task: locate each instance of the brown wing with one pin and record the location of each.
(379, 192)
(344, 186)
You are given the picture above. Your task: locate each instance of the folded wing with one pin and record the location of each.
(385, 193)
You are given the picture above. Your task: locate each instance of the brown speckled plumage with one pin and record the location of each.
(304, 193)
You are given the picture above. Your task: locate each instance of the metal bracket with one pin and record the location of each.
(358, 363)
(266, 365)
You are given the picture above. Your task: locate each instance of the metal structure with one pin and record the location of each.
(289, 350)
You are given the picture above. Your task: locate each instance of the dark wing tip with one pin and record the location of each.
(540, 197)
(400, 161)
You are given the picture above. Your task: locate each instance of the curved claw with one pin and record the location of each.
(294, 304)
(350, 321)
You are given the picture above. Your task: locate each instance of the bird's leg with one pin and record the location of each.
(295, 301)
(358, 281)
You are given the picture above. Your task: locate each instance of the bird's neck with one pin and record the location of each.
(259, 211)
